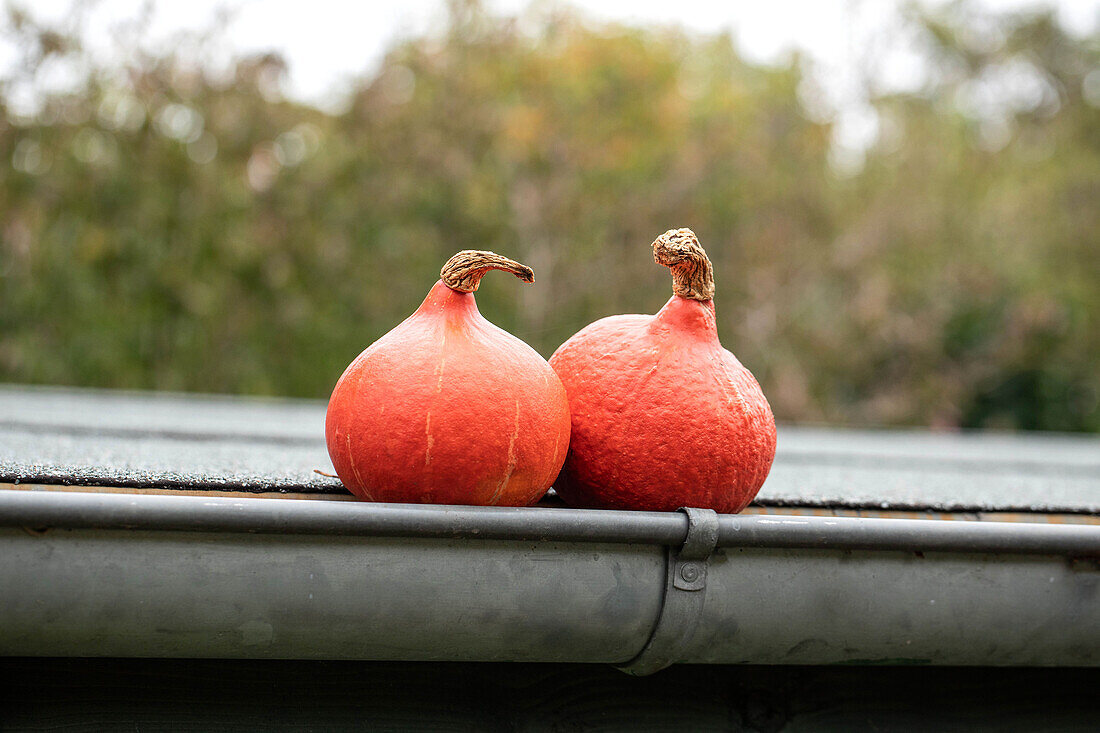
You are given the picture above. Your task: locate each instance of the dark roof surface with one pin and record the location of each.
(85, 437)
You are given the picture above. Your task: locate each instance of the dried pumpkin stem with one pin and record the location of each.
(464, 271)
(692, 275)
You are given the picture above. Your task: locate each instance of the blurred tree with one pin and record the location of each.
(979, 227)
(168, 228)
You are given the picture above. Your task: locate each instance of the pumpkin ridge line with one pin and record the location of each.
(351, 460)
(430, 439)
(512, 460)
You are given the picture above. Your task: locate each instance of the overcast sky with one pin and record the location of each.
(328, 41)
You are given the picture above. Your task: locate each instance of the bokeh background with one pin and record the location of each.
(918, 248)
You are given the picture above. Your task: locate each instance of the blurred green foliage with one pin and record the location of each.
(169, 228)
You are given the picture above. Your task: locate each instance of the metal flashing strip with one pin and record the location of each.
(909, 535)
(157, 512)
(551, 500)
(215, 514)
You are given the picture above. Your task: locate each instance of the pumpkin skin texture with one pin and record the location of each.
(662, 416)
(447, 408)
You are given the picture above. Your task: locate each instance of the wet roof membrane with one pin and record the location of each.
(203, 442)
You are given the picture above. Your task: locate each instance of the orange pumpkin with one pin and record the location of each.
(662, 415)
(447, 408)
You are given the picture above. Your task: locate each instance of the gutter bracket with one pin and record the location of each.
(685, 591)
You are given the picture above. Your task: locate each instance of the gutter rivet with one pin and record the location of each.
(690, 572)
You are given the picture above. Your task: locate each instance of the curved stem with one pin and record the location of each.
(692, 275)
(464, 271)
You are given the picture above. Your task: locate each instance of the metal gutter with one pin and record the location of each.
(152, 575)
